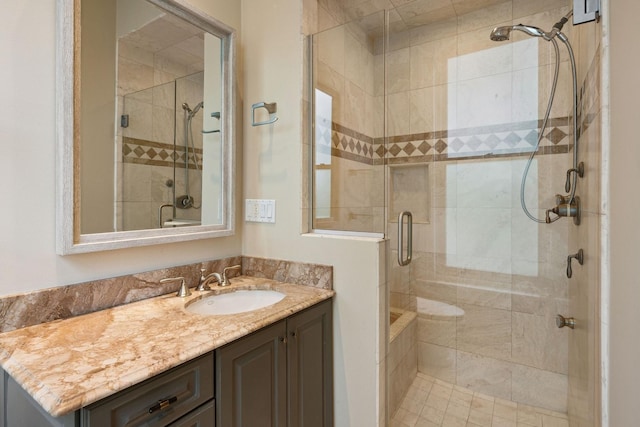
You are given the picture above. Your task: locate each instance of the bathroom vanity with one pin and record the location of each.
(268, 367)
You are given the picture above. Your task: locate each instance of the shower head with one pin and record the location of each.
(500, 34)
(185, 107)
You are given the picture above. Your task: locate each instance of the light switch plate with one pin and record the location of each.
(260, 210)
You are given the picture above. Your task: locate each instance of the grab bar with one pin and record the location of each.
(271, 108)
(160, 222)
(402, 261)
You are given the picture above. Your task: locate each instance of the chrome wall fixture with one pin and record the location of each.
(565, 207)
(562, 321)
(271, 108)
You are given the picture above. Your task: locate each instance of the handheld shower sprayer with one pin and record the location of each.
(570, 205)
(500, 34)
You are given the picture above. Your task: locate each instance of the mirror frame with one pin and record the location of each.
(69, 239)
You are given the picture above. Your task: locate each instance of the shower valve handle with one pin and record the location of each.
(566, 209)
(579, 256)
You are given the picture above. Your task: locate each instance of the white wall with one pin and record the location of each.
(273, 162)
(27, 131)
(624, 209)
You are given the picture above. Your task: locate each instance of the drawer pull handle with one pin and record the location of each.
(163, 404)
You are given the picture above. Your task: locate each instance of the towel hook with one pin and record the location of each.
(271, 108)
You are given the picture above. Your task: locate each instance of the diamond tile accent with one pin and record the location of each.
(474, 143)
(456, 144)
(138, 151)
(492, 141)
(512, 139)
(409, 148)
(424, 147)
(394, 150)
(532, 138)
(335, 139)
(555, 135)
(440, 146)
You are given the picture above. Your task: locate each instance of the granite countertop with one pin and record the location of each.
(67, 364)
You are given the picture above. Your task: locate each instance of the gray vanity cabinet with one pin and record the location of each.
(280, 376)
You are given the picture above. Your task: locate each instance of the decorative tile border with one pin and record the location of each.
(46, 305)
(153, 153)
(513, 139)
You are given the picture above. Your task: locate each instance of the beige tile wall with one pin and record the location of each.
(478, 252)
(584, 287)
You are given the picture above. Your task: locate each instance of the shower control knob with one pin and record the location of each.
(562, 321)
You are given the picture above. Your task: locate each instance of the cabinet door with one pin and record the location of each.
(310, 367)
(251, 380)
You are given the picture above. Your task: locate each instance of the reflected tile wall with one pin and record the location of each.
(150, 59)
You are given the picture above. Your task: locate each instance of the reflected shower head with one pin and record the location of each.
(193, 112)
(500, 34)
(197, 108)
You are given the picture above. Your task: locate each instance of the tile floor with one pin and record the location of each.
(431, 402)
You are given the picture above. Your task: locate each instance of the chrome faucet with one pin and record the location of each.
(203, 284)
(222, 280)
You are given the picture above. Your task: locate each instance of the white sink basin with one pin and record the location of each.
(235, 302)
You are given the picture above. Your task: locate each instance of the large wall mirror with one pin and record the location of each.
(146, 100)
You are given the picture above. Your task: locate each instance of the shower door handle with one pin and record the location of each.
(402, 260)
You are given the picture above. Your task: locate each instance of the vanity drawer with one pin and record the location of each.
(158, 401)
